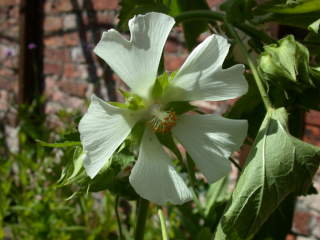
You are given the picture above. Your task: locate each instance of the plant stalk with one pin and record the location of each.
(163, 224)
(118, 217)
(258, 80)
(141, 218)
(217, 16)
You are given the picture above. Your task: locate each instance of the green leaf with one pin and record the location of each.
(287, 13)
(217, 198)
(277, 166)
(114, 178)
(295, 20)
(73, 136)
(217, 193)
(204, 234)
(59, 144)
(160, 85)
(294, 7)
(130, 8)
(132, 101)
(249, 107)
(180, 107)
(279, 224)
(286, 64)
(192, 29)
(73, 168)
(238, 10)
(314, 27)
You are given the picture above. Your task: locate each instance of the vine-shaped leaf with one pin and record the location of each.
(278, 165)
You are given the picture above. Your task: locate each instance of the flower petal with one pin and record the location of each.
(102, 129)
(153, 176)
(210, 139)
(136, 61)
(201, 77)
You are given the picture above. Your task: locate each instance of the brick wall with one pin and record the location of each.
(72, 73)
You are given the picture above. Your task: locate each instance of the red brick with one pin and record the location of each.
(13, 29)
(312, 135)
(53, 68)
(58, 96)
(105, 18)
(52, 24)
(57, 54)
(56, 6)
(316, 230)
(105, 4)
(10, 62)
(55, 41)
(6, 84)
(4, 100)
(171, 46)
(291, 237)
(74, 71)
(6, 72)
(50, 85)
(69, 22)
(173, 63)
(14, 13)
(313, 118)
(301, 222)
(77, 55)
(74, 87)
(8, 2)
(67, 101)
(71, 39)
(7, 52)
(214, 3)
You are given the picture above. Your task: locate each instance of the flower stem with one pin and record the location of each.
(258, 80)
(163, 224)
(190, 171)
(141, 218)
(193, 183)
(235, 164)
(118, 217)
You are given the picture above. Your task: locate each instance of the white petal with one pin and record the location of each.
(102, 129)
(136, 61)
(210, 140)
(201, 77)
(153, 176)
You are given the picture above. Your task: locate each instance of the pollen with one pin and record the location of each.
(162, 121)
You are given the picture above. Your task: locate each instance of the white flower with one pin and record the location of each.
(209, 139)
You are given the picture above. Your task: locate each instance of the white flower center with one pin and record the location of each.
(162, 121)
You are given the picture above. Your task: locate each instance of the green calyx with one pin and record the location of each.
(132, 101)
(161, 84)
(286, 64)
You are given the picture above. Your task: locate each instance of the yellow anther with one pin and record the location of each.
(162, 121)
